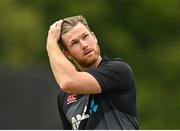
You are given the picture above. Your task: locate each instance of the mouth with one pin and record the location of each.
(87, 52)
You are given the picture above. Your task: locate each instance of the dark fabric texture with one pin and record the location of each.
(114, 108)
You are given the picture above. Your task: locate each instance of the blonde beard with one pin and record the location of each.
(81, 65)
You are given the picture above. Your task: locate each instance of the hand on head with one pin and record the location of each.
(54, 32)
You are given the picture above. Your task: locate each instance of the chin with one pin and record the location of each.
(89, 61)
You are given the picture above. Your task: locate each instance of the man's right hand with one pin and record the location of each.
(54, 33)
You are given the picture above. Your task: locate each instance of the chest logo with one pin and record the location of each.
(71, 98)
(93, 107)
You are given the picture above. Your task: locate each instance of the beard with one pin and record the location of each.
(88, 62)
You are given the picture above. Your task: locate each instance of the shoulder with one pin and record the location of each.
(113, 65)
(113, 74)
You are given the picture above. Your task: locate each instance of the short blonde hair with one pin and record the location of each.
(69, 23)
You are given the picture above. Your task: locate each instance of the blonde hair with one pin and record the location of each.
(68, 24)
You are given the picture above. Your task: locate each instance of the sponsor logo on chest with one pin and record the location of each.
(76, 120)
(71, 98)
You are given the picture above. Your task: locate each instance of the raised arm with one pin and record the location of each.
(66, 75)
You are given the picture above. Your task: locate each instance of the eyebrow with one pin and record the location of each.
(84, 33)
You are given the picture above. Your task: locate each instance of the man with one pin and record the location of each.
(95, 92)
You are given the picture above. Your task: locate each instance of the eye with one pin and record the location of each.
(85, 36)
(74, 43)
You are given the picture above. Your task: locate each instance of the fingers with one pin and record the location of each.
(54, 32)
(56, 24)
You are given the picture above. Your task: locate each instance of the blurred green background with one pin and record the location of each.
(145, 33)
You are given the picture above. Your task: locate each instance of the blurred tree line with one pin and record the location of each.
(145, 33)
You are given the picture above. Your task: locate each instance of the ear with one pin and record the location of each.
(94, 36)
(67, 54)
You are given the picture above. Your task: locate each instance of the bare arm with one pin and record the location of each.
(66, 75)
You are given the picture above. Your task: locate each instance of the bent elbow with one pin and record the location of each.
(66, 86)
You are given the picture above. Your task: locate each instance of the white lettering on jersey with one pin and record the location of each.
(76, 120)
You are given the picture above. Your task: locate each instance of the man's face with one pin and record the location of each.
(82, 45)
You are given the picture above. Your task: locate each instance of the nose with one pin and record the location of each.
(84, 44)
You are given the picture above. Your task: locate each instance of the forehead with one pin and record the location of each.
(74, 33)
